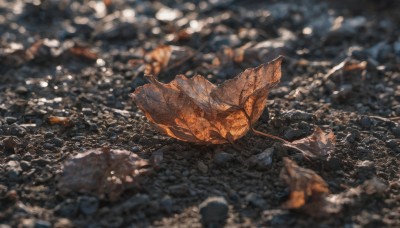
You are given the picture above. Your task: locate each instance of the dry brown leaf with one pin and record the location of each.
(102, 172)
(83, 52)
(306, 187)
(196, 110)
(60, 120)
(317, 144)
(165, 57)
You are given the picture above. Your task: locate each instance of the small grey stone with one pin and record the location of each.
(87, 111)
(334, 163)
(67, 208)
(40, 162)
(256, 200)
(366, 122)
(135, 149)
(13, 169)
(222, 158)
(214, 210)
(292, 134)
(202, 167)
(48, 146)
(179, 190)
(42, 224)
(48, 135)
(16, 130)
(135, 202)
(88, 205)
(21, 90)
(25, 165)
(57, 142)
(396, 131)
(167, 204)
(297, 115)
(392, 144)
(341, 94)
(262, 161)
(10, 119)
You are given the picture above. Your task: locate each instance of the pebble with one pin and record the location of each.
(167, 204)
(135, 149)
(297, 115)
(256, 200)
(135, 202)
(88, 205)
(392, 144)
(222, 158)
(63, 223)
(13, 169)
(68, 208)
(179, 190)
(396, 131)
(40, 162)
(48, 146)
(15, 129)
(202, 167)
(22, 90)
(48, 135)
(334, 163)
(213, 210)
(25, 165)
(341, 94)
(292, 134)
(10, 119)
(57, 142)
(366, 122)
(42, 224)
(262, 161)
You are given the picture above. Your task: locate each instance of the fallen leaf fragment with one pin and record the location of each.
(306, 187)
(84, 52)
(195, 110)
(60, 120)
(317, 144)
(103, 172)
(165, 57)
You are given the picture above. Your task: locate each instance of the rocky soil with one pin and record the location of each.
(78, 59)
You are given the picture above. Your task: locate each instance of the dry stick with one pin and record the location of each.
(269, 136)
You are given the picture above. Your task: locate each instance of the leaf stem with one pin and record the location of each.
(269, 136)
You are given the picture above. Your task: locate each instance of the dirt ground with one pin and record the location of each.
(41, 76)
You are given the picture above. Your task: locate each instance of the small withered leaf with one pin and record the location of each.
(84, 52)
(61, 120)
(103, 172)
(165, 57)
(317, 144)
(195, 110)
(306, 187)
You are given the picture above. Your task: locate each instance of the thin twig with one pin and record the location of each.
(269, 136)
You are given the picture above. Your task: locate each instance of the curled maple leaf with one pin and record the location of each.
(195, 110)
(306, 187)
